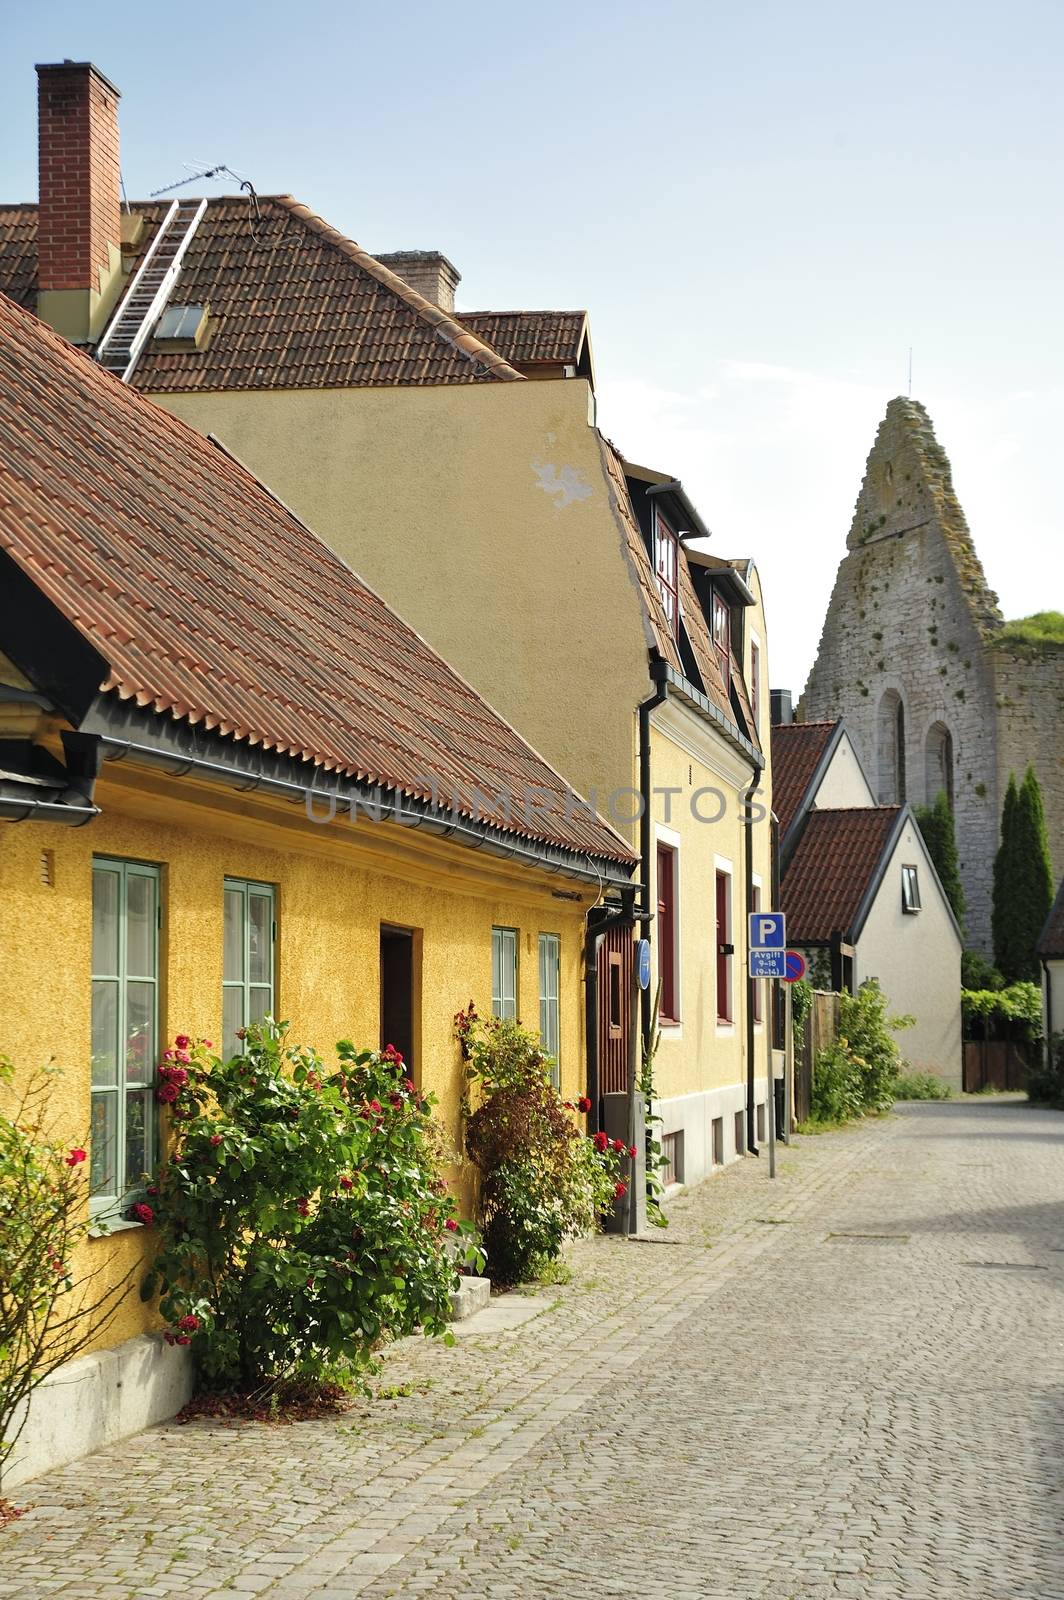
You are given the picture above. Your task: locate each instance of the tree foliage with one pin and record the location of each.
(940, 836)
(51, 1310)
(1023, 880)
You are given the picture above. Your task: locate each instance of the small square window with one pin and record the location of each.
(181, 322)
(910, 890)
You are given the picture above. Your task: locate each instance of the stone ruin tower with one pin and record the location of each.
(936, 690)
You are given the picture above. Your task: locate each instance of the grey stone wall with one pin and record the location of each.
(910, 622)
(1029, 688)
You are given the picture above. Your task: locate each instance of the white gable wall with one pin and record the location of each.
(843, 785)
(917, 959)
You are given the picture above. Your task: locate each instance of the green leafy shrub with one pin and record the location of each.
(979, 973)
(939, 834)
(51, 1310)
(1045, 1078)
(1023, 880)
(542, 1180)
(302, 1215)
(857, 1072)
(1015, 1011)
(921, 1086)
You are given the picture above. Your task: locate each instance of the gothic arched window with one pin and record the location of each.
(938, 763)
(890, 749)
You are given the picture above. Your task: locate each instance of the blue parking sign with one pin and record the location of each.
(768, 963)
(768, 930)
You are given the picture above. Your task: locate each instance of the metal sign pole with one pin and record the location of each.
(770, 1108)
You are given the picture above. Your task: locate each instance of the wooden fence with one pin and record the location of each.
(821, 1029)
(997, 1063)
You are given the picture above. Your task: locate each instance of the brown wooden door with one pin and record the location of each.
(615, 1009)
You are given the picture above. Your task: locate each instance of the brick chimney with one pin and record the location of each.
(79, 216)
(427, 271)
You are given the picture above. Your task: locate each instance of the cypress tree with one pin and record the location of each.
(1004, 877)
(1023, 880)
(1034, 890)
(940, 837)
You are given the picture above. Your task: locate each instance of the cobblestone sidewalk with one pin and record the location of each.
(848, 1382)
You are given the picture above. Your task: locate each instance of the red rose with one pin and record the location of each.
(142, 1213)
(632, 1151)
(347, 1183)
(410, 1086)
(601, 1142)
(182, 1338)
(75, 1158)
(620, 1190)
(618, 1145)
(151, 1189)
(175, 1075)
(166, 1093)
(208, 1044)
(451, 1225)
(303, 1207)
(216, 1139)
(182, 1041)
(189, 1323)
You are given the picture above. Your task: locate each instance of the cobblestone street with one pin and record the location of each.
(849, 1382)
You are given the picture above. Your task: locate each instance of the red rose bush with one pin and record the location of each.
(302, 1216)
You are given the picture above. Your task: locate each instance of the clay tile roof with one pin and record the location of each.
(831, 870)
(797, 749)
(213, 604)
(659, 634)
(293, 305)
(526, 338)
(1050, 944)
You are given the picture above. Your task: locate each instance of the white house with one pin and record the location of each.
(1050, 952)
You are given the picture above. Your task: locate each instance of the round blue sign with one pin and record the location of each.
(795, 966)
(643, 960)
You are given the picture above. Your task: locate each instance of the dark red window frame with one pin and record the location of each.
(667, 570)
(722, 633)
(668, 1006)
(723, 949)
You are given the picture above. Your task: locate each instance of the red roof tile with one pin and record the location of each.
(293, 305)
(832, 869)
(213, 604)
(797, 748)
(531, 338)
(1051, 940)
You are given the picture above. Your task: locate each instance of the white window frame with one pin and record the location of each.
(550, 966)
(666, 541)
(247, 887)
(724, 866)
(114, 1201)
(756, 675)
(505, 965)
(910, 889)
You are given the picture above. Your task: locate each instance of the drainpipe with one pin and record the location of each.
(751, 1075)
(1047, 1043)
(658, 671)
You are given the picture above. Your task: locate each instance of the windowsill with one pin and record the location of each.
(101, 1228)
(725, 1025)
(670, 1023)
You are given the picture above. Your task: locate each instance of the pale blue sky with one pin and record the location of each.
(762, 207)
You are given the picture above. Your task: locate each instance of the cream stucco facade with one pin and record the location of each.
(916, 959)
(844, 783)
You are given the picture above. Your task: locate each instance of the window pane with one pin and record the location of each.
(105, 883)
(260, 1003)
(104, 1032)
(138, 1124)
(261, 936)
(140, 1032)
(233, 951)
(102, 1178)
(232, 1021)
(140, 925)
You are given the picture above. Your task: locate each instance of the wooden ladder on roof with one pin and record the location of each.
(149, 289)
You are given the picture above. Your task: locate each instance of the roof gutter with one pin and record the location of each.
(405, 810)
(697, 528)
(686, 692)
(12, 810)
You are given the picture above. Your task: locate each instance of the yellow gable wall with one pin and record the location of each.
(334, 888)
(482, 514)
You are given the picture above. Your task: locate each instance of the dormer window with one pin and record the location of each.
(666, 569)
(182, 327)
(722, 633)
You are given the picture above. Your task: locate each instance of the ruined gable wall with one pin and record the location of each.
(910, 613)
(1030, 714)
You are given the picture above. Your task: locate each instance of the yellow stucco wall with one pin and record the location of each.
(335, 886)
(482, 515)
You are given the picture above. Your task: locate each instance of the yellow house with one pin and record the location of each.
(234, 783)
(453, 459)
